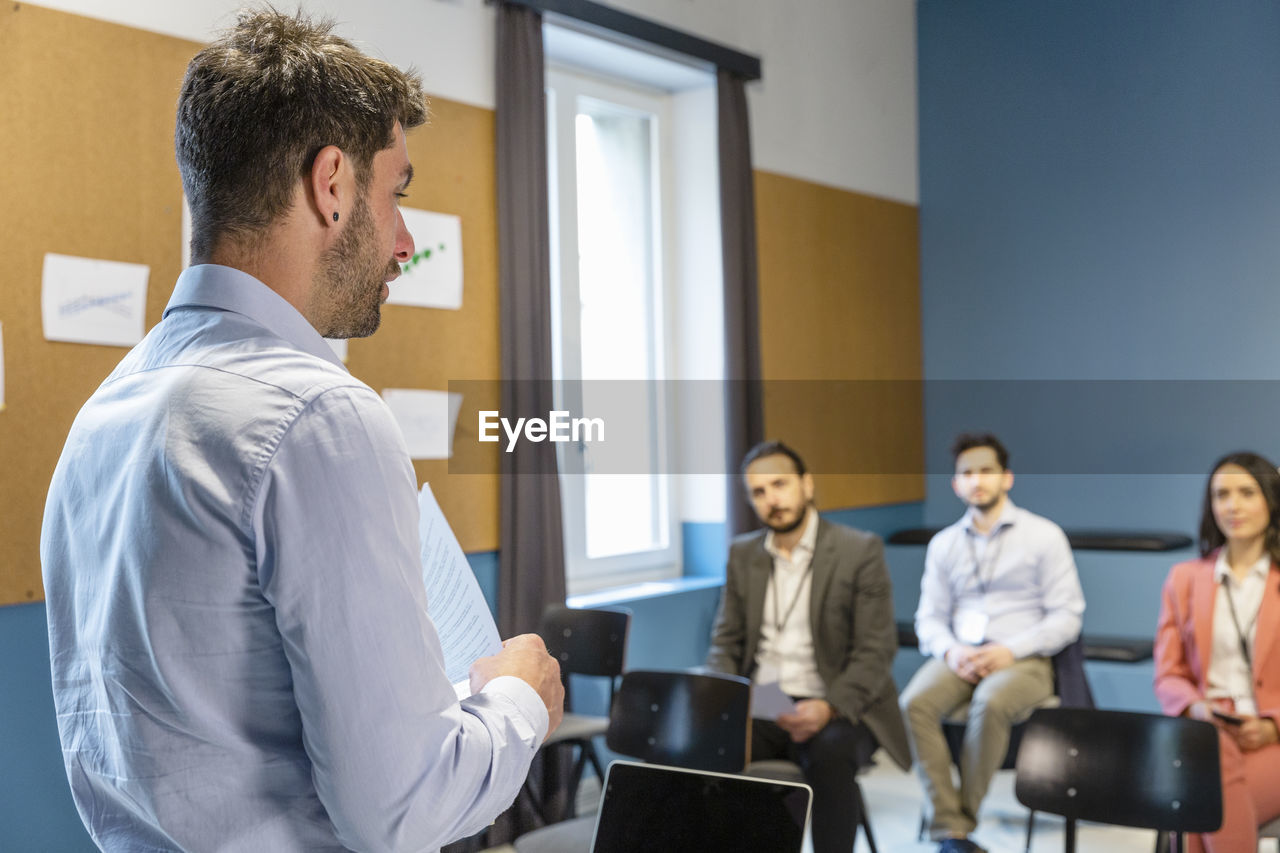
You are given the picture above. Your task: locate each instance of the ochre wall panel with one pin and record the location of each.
(86, 136)
(840, 337)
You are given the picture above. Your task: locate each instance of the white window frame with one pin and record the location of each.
(565, 88)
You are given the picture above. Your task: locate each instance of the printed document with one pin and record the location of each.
(454, 601)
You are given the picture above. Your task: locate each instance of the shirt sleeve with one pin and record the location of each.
(933, 614)
(397, 761)
(1062, 601)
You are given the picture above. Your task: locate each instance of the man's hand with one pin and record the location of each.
(960, 659)
(526, 658)
(809, 718)
(990, 658)
(974, 663)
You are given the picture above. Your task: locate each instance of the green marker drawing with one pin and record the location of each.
(418, 258)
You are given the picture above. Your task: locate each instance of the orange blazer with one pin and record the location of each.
(1184, 639)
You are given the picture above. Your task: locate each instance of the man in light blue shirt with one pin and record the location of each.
(241, 653)
(999, 596)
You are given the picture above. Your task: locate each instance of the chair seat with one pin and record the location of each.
(570, 836)
(578, 727)
(782, 770)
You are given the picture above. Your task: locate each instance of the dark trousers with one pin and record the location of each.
(830, 761)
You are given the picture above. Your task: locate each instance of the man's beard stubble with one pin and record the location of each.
(789, 526)
(350, 280)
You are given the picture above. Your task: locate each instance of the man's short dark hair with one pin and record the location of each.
(259, 103)
(969, 440)
(772, 448)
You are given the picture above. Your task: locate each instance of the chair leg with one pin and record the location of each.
(863, 818)
(1031, 827)
(535, 801)
(575, 778)
(1069, 845)
(595, 761)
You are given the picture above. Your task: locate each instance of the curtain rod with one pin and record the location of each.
(595, 14)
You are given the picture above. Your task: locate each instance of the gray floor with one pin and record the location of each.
(893, 801)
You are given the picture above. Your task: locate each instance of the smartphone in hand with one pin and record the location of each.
(1229, 719)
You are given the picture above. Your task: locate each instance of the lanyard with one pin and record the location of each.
(994, 544)
(779, 622)
(1243, 635)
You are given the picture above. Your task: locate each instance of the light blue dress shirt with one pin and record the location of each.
(1022, 578)
(242, 657)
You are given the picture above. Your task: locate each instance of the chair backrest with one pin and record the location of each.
(1070, 684)
(587, 642)
(684, 719)
(1123, 768)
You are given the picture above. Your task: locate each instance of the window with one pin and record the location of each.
(608, 271)
(637, 300)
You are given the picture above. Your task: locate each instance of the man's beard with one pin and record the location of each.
(349, 278)
(790, 525)
(989, 504)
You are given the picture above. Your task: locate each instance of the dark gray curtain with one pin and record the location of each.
(531, 562)
(744, 396)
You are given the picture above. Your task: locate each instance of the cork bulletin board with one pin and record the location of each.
(86, 129)
(840, 339)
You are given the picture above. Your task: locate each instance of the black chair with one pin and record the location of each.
(1070, 690)
(789, 771)
(683, 719)
(586, 643)
(1123, 768)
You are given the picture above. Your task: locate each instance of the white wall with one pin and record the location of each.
(837, 104)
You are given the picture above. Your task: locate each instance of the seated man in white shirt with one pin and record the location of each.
(242, 657)
(808, 603)
(999, 596)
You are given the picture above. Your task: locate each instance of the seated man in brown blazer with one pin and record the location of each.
(810, 602)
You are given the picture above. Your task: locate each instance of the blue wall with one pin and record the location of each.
(1100, 200)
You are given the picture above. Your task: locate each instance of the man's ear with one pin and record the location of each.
(1008, 479)
(330, 182)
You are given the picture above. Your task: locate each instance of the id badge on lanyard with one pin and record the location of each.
(970, 623)
(971, 627)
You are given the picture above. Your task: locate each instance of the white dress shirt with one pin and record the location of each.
(242, 657)
(788, 651)
(1020, 578)
(1229, 674)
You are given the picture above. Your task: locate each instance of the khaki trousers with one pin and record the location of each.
(996, 703)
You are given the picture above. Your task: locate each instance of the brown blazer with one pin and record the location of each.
(851, 616)
(1184, 639)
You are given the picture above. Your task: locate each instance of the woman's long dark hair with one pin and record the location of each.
(1264, 473)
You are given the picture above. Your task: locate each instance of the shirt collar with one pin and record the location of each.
(230, 289)
(808, 539)
(1222, 571)
(1007, 517)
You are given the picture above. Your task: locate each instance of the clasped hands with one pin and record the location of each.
(809, 718)
(974, 663)
(1249, 734)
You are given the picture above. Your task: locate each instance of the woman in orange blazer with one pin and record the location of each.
(1217, 645)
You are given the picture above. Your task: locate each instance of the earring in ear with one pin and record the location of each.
(335, 216)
